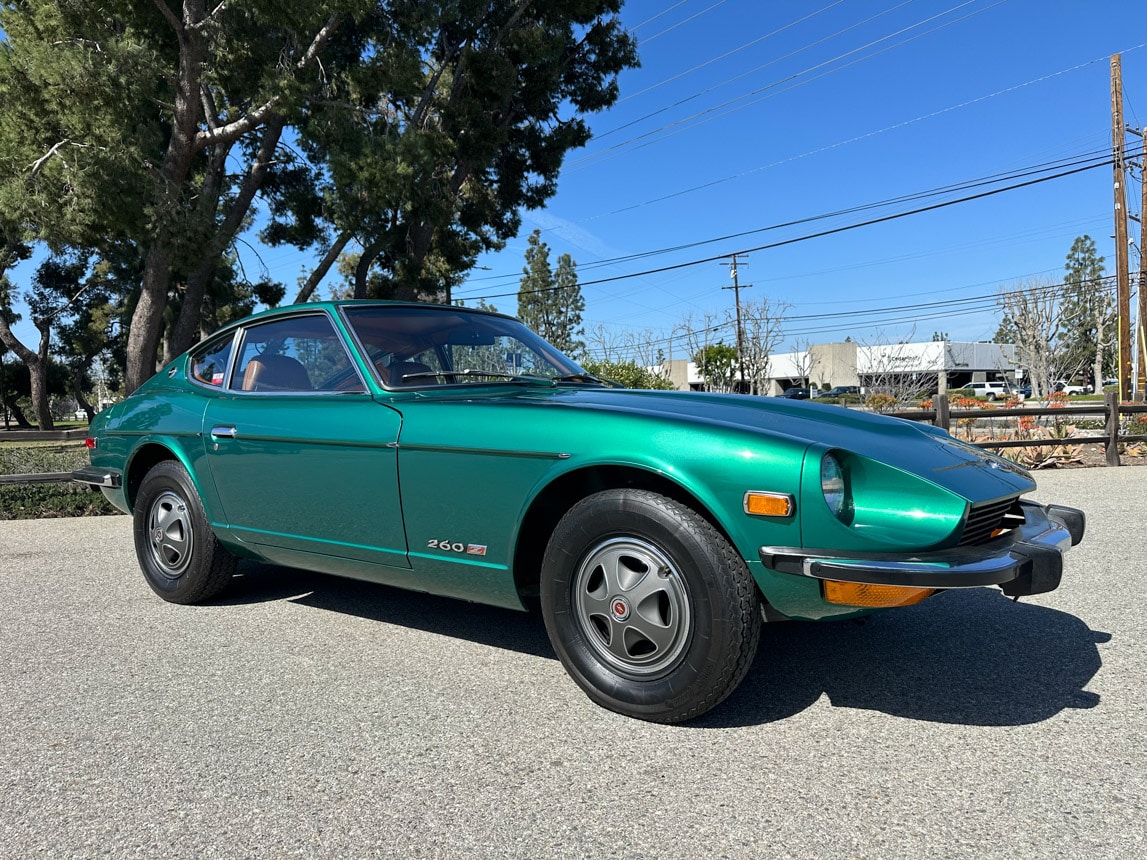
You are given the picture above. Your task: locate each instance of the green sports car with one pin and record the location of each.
(453, 451)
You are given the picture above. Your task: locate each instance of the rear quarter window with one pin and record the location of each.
(209, 363)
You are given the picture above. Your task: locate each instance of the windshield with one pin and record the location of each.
(411, 347)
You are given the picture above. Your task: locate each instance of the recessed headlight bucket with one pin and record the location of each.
(834, 487)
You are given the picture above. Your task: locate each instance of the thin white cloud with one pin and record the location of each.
(572, 234)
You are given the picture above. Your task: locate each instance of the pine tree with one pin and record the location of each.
(1089, 312)
(550, 302)
(567, 295)
(422, 130)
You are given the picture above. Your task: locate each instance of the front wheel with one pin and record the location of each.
(651, 611)
(180, 556)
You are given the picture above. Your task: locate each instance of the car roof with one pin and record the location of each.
(333, 305)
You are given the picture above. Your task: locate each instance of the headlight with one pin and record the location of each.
(834, 488)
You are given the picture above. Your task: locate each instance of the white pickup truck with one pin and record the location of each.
(1070, 388)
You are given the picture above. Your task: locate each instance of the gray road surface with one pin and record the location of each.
(306, 716)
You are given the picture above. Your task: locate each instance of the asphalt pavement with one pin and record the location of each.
(306, 716)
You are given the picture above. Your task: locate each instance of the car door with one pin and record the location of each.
(302, 457)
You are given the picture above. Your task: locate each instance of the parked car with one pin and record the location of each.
(994, 390)
(453, 451)
(795, 393)
(1071, 388)
(839, 391)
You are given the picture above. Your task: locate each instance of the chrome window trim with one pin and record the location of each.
(240, 336)
(544, 349)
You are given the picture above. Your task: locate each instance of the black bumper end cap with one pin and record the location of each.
(1040, 572)
(1072, 519)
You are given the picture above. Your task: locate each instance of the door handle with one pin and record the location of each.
(223, 431)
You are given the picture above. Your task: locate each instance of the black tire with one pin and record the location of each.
(651, 611)
(180, 556)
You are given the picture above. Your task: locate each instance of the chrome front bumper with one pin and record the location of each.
(1026, 560)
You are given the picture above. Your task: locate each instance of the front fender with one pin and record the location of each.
(714, 469)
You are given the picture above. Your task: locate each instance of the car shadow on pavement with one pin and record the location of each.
(970, 657)
(487, 625)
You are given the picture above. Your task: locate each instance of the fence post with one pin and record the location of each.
(942, 419)
(1112, 428)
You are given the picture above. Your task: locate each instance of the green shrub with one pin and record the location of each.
(880, 402)
(627, 373)
(30, 458)
(34, 501)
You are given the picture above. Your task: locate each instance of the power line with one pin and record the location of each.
(789, 79)
(1106, 161)
(851, 140)
(731, 53)
(838, 144)
(672, 27)
(1096, 158)
(868, 317)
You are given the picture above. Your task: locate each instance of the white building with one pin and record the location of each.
(895, 368)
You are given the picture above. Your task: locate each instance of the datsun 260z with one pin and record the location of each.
(453, 451)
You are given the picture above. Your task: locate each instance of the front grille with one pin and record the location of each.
(985, 519)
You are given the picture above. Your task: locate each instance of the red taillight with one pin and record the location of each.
(91, 442)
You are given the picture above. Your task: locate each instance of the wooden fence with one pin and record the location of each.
(38, 478)
(1111, 410)
(942, 414)
(41, 436)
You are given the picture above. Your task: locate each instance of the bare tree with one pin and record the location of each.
(805, 361)
(1034, 321)
(761, 322)
(641, 350)
(703, 331)
(893, 367)
(762, 333)
(643, 347)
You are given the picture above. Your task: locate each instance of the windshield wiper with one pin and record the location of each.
(587, 377)
(492, 374)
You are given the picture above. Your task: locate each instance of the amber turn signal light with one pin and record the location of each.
(762, 504)
(873, 596)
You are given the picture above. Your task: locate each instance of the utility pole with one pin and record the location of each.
(1121, 269)
(1142, 340)
(736, 288)
(1139, 342)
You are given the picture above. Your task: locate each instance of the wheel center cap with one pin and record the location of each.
(619, 608)
(157, 535)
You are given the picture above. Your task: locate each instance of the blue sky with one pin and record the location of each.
(748, 114)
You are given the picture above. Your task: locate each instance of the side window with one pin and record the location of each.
(209, 362)
(297, 354)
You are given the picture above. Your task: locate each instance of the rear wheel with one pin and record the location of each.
(651, 611)
(180, 556)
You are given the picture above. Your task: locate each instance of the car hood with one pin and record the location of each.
(908, 446)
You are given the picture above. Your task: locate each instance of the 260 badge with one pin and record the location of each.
(456, 546)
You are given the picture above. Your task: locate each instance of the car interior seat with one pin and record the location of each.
(394, 374)
(275, 373)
